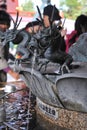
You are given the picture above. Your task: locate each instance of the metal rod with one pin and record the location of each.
(8, 125)
(12, 92)
(11, 82)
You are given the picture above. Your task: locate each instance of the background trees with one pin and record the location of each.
(28, 6)
(73, 8)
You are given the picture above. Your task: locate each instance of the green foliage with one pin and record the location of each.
(28, 6)
(73, 8)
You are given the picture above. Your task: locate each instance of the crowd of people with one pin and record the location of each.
(57, 52)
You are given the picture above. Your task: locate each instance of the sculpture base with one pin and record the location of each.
(65, 119)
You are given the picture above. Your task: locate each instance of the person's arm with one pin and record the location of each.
(14, 74)
(63, 32)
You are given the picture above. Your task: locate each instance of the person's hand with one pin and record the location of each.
(63, 32)
(22, 52)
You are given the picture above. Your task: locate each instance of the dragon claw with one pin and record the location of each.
(65, 69)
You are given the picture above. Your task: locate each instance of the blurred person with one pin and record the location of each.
(5, 21)
(3, 6)
(80, 27)
(33, 27)
(56, 52)
(50, 14)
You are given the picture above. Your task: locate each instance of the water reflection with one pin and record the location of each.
(21, 112)
(20, 109)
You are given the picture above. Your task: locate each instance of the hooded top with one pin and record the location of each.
(5, 18)
(48, 10)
